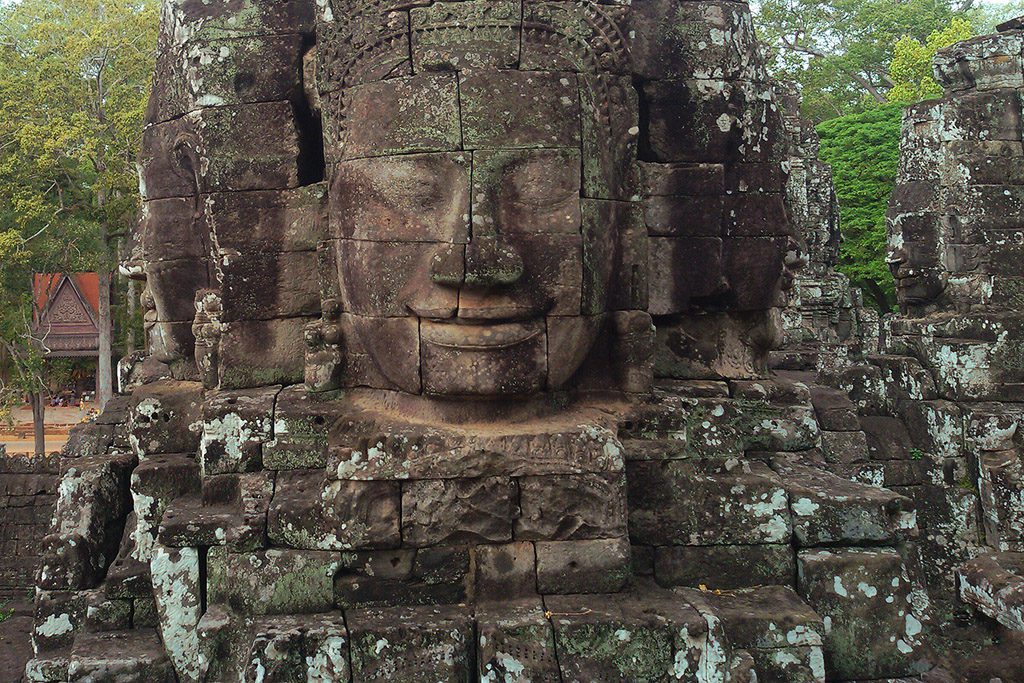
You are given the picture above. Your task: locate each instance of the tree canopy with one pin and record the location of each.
(842, 52)
(863, 149)
(74, 81)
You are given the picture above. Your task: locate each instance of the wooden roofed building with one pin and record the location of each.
(67, 314)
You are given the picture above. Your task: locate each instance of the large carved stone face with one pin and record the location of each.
(469, 259)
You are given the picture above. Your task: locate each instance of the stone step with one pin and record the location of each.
(644, 633)
(994, 584)
(111, 656)
(120, 656)
(830, 510)
(781, 633)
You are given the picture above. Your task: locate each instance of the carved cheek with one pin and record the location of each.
(412, 198)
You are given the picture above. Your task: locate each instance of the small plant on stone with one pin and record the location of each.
(5, 612)
(916, 453)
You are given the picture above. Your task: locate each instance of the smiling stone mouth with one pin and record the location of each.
(479, 337)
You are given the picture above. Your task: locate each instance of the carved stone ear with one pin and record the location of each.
(633, 350)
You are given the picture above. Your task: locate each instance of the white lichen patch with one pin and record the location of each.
(176, 579)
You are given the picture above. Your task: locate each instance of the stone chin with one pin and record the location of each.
(482, 359)
(499, 359)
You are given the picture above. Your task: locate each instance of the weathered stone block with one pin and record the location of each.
(528, 190)
(391, 578)
(645, 635)
(685, 502)
(313, 512)
(596, 566)
(225, 72)
(165, 418)
(213, 158)
(255, 353)
(711, 120)
(232, 512)
(120, 656)
(288, 648)
(845, 448)
(673, 287)
(360, 450)
(670, 39)
(610, 136)
(834, 410)
(177, 589)
(505, 571)
(155, 483)
(519, 109)
(516, 642)
(92, 502)
(236, 424)
(58, 616)
(426, 118)
(415, 644)
(831, 510)
(724, 566)
(753, 267)
(447, 36)
(405, 198)
(683, 216)
(409, 265)
(457, 511)
(994, 584)
(263, 286)
(872, 616)
(272, 581)
(302, 421)
(571, 507)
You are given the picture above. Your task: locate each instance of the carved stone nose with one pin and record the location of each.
(492, 262)
(448, 266)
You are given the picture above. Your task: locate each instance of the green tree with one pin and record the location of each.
(839, 51)
(987, 16)
(863, 149)
(910, 70)
(74, 81)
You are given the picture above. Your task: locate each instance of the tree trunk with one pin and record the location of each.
(104, 374)
(38, 421)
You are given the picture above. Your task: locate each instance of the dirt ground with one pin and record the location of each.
(15, 646)
(58, 421)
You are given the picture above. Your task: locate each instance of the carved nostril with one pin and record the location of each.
(492, 262)
(448, 265)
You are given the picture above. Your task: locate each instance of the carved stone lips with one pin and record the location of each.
(480, 337)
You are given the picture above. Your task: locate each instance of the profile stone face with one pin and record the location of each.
(462, 320)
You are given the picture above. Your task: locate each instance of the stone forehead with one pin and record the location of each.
(364, 40)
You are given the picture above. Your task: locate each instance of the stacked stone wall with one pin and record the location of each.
(27, 494)
(825, 322)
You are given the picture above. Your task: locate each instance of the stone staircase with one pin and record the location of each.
(761, 544)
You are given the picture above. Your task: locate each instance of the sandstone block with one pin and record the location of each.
(595, 566)
(505, 571)
(272, 581)
(455, 511)
(493, 44)
(312, 512)
(684, 502)
(415, 644)
(724, 566)
(875, 627)
(516, 641)
(561, 508)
